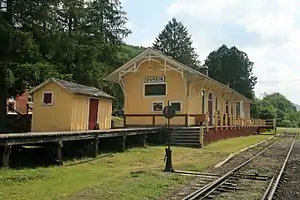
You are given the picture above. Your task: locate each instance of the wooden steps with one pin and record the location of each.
(186, 136)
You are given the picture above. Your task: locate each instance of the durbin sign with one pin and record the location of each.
(154, 79)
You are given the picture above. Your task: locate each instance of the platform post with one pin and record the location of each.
(123, 148)
(143, 139)
(59, 147)
(168, 112)
(274, 126)
(6, 156)
(96, 146)
(168, 156)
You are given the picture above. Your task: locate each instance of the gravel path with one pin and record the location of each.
(290, 184)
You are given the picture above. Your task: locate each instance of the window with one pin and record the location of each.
(238, 109)
(158, 89)
(157, 106)
(30, 99)
(176, 105)
(227, 106)
(216, 104)
(11, 107)
(203, 102)
(47, 98)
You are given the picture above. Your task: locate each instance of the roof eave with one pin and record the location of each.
(136, 58)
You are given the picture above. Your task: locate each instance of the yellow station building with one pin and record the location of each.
(152, 80)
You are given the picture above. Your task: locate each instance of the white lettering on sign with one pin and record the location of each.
(154, 79)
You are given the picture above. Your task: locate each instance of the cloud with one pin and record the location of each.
(266, 30)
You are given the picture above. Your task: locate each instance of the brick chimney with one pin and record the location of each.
(21, 102)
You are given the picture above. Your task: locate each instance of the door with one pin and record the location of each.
(210, 108)
(93, 113)
(227, 112)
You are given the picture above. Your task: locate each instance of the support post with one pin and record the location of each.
(59, 147)
(168, 155)
(144, 139)
(216, 120)
(222, 120)
(6, 156)
(123, 148)
(202, 136)
(226, 121)
(96, 146)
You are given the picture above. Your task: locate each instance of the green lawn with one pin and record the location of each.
(135, 174)
(290, 130)
(118, 121)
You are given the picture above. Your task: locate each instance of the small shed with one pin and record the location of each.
(60, 105)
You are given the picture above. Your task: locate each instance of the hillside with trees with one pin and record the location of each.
(277, 106)
(75, 40)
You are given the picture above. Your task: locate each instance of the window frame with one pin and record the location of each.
(152, 106)
(237, 111)
(52, 98)
(177, 102)
(14, 102)
(157, 83)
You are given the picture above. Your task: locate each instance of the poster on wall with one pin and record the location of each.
(157, 106)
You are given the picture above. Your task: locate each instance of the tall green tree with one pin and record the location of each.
(72, 39)
(175, 41)
(232, 66)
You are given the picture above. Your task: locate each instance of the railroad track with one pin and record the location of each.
(273, 185)
(230, 180)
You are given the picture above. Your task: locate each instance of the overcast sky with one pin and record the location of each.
(267, 30)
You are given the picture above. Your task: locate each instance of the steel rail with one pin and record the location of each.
(271, 190)
(206, 190)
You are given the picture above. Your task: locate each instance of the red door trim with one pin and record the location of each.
(93, 116)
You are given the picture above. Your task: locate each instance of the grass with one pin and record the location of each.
(135, 174)
(290, 130)
(118, 121)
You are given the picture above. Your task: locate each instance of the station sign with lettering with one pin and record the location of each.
(154, 79)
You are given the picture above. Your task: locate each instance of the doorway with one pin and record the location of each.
(93, 113)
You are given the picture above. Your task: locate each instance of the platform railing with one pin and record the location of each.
(220, 120)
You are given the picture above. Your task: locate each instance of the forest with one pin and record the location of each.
(83, 41)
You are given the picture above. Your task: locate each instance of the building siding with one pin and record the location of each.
(56, 117)
(105, 113)
(80, 113)
(136, 103)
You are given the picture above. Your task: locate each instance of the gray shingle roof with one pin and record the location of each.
(82, 89)
(76, 88)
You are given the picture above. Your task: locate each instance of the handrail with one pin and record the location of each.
(20, 114)
(28, 107)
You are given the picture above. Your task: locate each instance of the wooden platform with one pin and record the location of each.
(187, 136)
(58, 139)
(46, 137)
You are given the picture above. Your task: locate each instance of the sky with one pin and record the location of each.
(267, 30)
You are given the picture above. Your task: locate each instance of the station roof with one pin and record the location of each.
(114, 76)
(75, 88)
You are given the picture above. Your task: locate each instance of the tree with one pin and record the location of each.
(76, 40)
(175, 41)
(277, 106)
(232, 66)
